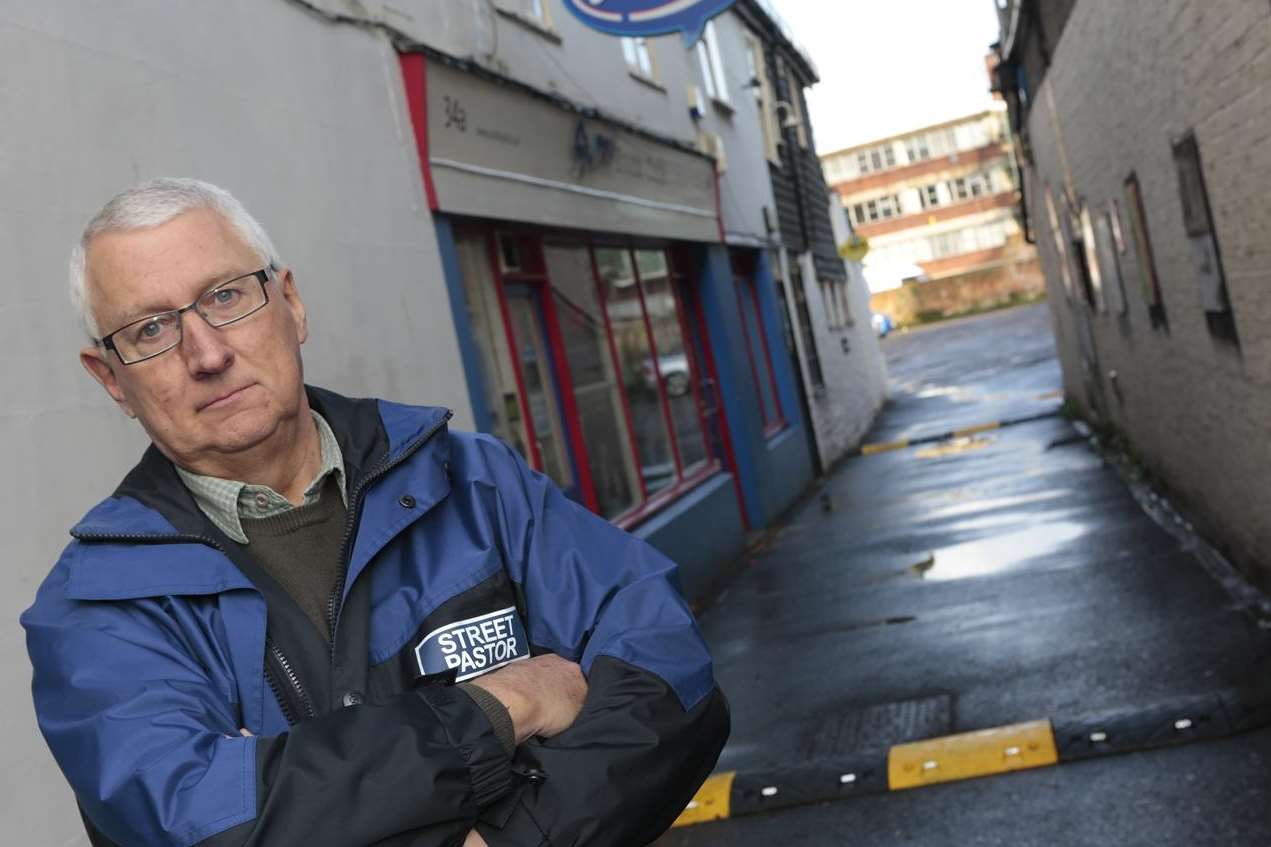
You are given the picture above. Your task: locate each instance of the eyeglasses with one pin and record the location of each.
(220, 305)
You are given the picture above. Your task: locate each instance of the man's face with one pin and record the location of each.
(220, 392)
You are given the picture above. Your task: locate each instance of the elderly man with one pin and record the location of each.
(304, 619)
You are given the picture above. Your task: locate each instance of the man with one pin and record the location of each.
(308, 620)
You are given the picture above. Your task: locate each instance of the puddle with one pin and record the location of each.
(998, 552)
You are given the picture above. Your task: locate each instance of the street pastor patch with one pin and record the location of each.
(474, 646)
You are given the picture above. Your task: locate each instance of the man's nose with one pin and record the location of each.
(203, 347)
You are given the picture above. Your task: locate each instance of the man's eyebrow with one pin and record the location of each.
(154, 307)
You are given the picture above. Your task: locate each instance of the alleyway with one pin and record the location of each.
(1008, 577)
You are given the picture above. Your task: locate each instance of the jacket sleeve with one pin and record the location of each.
(149, 742)
(654, 721)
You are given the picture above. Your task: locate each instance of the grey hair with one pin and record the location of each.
(151, 204)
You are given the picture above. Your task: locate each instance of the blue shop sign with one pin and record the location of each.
(648, 17)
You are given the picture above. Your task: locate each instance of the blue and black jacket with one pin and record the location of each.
(156, 637)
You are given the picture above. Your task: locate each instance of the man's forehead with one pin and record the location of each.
(161, 267)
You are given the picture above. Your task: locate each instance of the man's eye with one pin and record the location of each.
(151, 331)
(226, 296)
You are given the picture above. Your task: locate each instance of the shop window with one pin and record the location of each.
(639, 57)
(590, 368)
(758, 356)
(1143, 250)
(597, 387)
(498, 373)
(1198, 223)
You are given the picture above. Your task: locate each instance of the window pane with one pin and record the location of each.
(704, 61)
(679, 374)
(596, 390)
(635, 363)
(540, 389)
(755, 350)
(497, 374)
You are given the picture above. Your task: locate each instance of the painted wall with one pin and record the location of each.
(303, 121)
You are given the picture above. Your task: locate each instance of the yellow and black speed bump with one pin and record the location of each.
(981, 753)
(888, 446)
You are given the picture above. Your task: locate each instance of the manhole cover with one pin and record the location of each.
(880, 725)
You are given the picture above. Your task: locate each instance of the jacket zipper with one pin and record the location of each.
(280, 658)
(355, 507)
(289, 674)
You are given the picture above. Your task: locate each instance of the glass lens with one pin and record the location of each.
(233, 300)
(148, 336)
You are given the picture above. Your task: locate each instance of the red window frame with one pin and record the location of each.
(777, 422)
(685, 478)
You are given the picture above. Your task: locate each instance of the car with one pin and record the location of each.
(675, 373)
(882, 324)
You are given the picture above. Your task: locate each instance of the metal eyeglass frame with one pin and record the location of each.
(262, 276)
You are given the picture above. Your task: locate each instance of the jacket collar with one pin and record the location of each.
(130, 532)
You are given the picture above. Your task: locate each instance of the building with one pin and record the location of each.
(842, 380)
(571, 240)
(937, 205)
(1149, 205)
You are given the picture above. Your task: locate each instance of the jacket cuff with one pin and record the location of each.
(494, 709)
(470, 731)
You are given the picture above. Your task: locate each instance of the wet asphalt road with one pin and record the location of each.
(1011, 579)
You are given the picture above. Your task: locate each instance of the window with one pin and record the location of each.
(1143, 250)
(1198, 222)
(816, 376)
(876, 159)
(757, 66)
(1061, 251)
(916, 149)
(929, 195)
(1090, 261)
(589, 367)
(970, 186)
(1109, 264)
(878, 209)
(794, 95)
(758, 355)
(639, 57)
(712, 67)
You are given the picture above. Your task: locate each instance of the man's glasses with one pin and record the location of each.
(220, 305)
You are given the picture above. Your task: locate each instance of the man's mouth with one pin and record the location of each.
(223, 400)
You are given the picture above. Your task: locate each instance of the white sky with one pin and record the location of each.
(888, 66)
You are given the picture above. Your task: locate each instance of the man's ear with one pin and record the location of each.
(291, 296)
(94, 361)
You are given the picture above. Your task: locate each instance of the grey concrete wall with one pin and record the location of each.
(304, 121)
(1124, 85)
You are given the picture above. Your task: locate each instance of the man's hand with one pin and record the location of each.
(543, 694)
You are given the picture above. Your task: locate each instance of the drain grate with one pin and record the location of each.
(880, 725)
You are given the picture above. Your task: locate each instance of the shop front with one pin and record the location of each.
(582, 261)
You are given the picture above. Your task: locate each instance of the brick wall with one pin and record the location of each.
(1125, 85)
(1015, 274)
